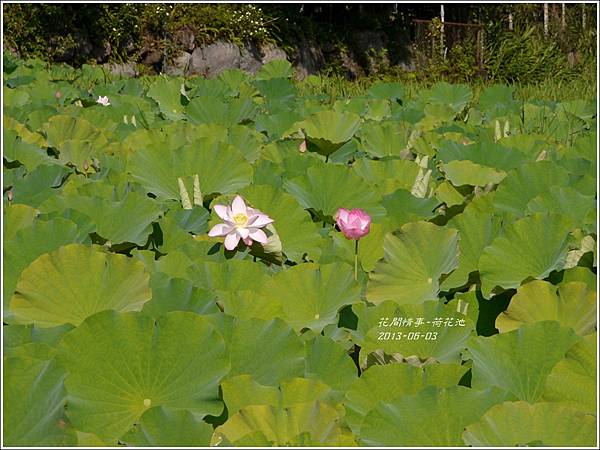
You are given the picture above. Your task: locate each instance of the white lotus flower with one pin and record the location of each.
(241, 222)
(103, 101)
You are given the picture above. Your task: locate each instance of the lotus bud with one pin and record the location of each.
(506, 128)
(542, 156)
(185, 198)
(10, 195)
(57, 95)
(86, 166)
(125, 121)
(354, 224)
(197, 191)
(133, 121)
(302, 146)
(497, 132)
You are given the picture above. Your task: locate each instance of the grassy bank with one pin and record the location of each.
(552, 90)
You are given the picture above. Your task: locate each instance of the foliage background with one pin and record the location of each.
(55, 32)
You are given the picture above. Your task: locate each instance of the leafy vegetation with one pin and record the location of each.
(470, 319)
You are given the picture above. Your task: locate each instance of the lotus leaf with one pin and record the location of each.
(74, 282)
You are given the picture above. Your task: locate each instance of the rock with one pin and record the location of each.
(215, 58)
(309, 60)
(179, 65)
(150, 56)
(271, 52)
(185, 39)
(251, 59)
(127, 70)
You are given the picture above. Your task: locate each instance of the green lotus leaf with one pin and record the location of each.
(519, 361)
(461, 173)
(412, 332)
(167, 93)
(281, 353)
(276, 89)
(582, 274)
(387, 175)
(14, 98)
(413, 263)
(302, 424)
(446, 193)
(530, 247)
(61, 128)
(378, 109)
(487, 154)
(27, 245)
(76, 281)
(119, 365)
(388, 91)
(402, 207)
(299, 235)
(16, 217)
(524, 184)
(290, 160)
(177, 294)
(235, 284)
(214, 110)
(383, 139)
(248, 141)
(24, 133)
(38, 185)
(433, 417)
(573, 379)
(276, 125)
(326, 187)
(242, 391)
(34, 400)
(519, 424)
(584, 147)
(278, 68)
(174, 237)
(497, 101)
(572, 305)
(339, 249)
(220, 167)
(17, 338)
(568, 202)
(166, 427)
(455, 96)
(476, 230)
(311, 295)
(30, 155)
(328, 130)
(381, 383)
(354, 105)
(127, 220)
(326, 360)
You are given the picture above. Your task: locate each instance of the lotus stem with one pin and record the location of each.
(356, 261)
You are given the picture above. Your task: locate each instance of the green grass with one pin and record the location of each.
(337, 86)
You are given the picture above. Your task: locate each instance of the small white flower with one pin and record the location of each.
(103, 101)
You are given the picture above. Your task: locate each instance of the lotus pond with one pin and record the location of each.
(470, 318)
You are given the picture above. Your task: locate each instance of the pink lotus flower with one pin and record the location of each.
(103, 101)
(241, 222)
(354, 224)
